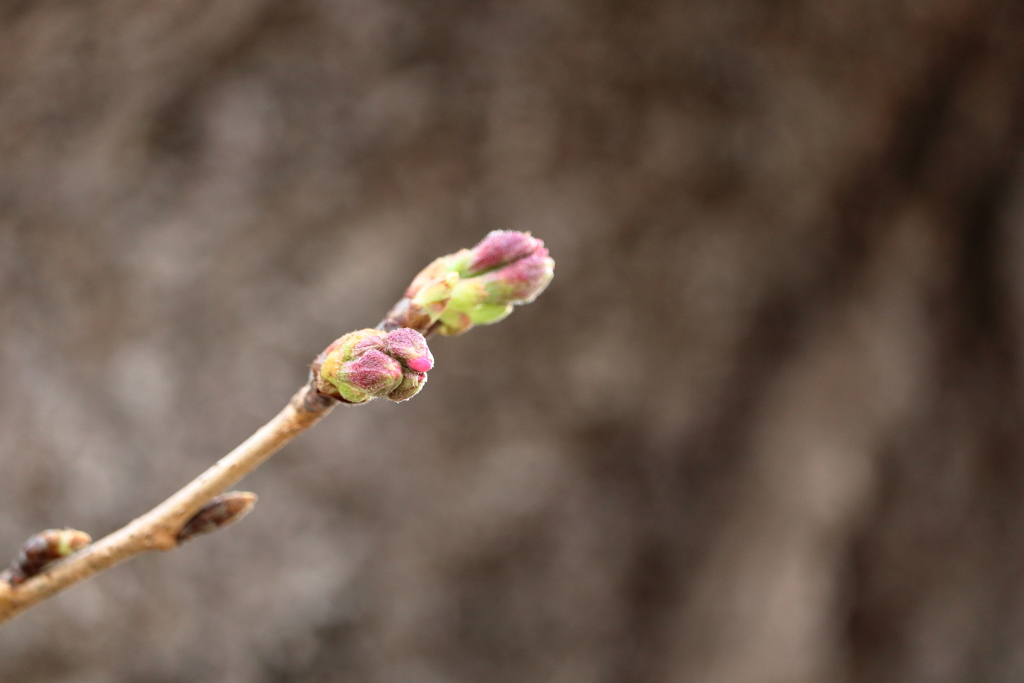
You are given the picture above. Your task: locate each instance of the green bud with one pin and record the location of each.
(470, 305)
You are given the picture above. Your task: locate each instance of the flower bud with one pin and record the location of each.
(412, 382)
(521, 281)
(490, 296)
(410, 349)
(500, 248)
(475, 286)
(369, 364)
(370, 375)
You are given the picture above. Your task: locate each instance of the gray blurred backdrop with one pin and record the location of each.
(764, 427)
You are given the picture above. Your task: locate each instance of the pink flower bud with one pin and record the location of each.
(369, 364)
(410, 348)
(477, 286)
(372, 374)
(500, 248)
(521, 281)
(489, 297)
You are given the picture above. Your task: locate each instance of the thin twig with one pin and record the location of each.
(505, 269)
(158, 528)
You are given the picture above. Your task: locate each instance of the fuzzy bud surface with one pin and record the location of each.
(505, 270)
(477, 286)
(369, 364)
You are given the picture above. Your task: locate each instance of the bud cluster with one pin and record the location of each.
(368, 364)
(477, 286)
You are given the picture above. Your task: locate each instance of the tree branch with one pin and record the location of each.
(478, 286)
(158, 528)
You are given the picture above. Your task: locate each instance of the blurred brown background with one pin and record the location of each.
(764, 427)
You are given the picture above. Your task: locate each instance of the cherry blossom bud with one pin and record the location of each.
(500, 248)
(490, 296)
(520, 281)
(475, 286)
(410, 349)
(370, 375)
(369, 364)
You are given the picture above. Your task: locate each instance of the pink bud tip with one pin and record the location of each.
(500, 248)
(420, 364)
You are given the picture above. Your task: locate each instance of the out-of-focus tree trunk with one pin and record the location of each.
(764, 427)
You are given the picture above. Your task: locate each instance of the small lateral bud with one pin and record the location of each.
(42, 549)
(222, 510)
